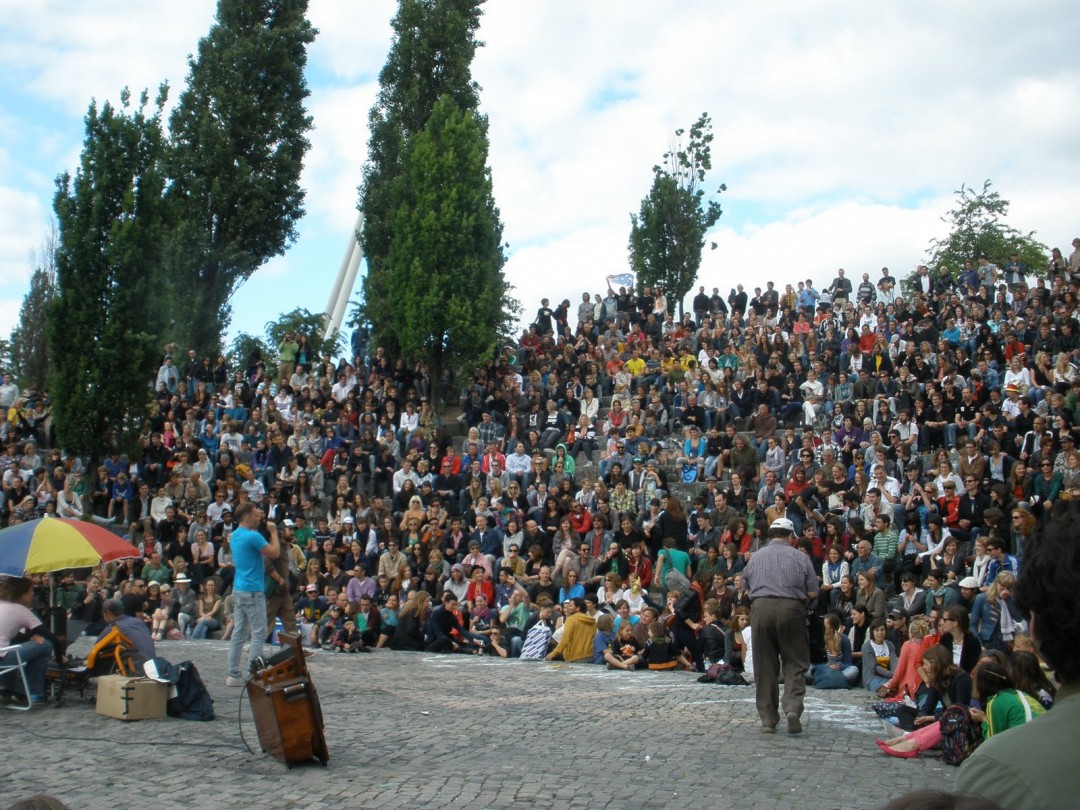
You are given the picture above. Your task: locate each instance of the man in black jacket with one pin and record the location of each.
(445, 629)
(841, 286)
(701, 306)
(972, 506)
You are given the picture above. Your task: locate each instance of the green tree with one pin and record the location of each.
(430, 56)
(101, 325)
(302, 322)
(668, 233)
(243, 348)
(29, 345)
(977, 227)
(445, 260)
(239, 135)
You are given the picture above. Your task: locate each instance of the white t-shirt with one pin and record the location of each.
(748, 651)
(14, 618)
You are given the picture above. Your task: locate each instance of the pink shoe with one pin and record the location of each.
(892, 752)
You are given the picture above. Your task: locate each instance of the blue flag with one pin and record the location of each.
(621, 280)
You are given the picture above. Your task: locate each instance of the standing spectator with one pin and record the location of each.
(780, 581)
(287, 351)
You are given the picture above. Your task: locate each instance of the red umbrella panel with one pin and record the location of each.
(54, 544)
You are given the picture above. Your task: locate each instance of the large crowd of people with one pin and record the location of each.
(613, 471)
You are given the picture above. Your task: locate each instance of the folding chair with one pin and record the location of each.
(18, 665)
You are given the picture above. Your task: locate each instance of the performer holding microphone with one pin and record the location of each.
(249, 619)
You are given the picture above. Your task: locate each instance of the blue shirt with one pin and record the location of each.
(247, 545)
(1010, 564)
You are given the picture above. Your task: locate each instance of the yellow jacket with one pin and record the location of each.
(577, 639)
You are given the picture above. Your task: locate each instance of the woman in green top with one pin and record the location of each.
(1004, 706)
(672, 559)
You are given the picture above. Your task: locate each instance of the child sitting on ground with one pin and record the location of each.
(329, 625)
(624, 652)
(603, 637)
(660, 651)
(347, 639)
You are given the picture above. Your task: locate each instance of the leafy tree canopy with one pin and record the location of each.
(431, 56)
(667, 235)
(111, 220)
(29, 350)
(238, 140)
(302, 322)
(977, 227)
(446, 257)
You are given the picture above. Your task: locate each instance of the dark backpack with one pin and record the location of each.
(960, 735)
(192, 701)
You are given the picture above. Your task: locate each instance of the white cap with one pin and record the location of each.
(782, 525)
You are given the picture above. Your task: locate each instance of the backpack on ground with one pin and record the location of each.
(192, 701)
(960, 735)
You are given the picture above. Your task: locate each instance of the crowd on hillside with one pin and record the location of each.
(916, 439)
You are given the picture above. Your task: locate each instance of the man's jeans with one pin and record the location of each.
(249, 622)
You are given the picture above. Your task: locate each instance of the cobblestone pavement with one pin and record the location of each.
(454, 731)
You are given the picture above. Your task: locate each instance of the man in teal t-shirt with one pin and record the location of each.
(249, 617)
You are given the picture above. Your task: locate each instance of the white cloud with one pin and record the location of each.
(20, 235)
(841, 129)
(353, 37)
(338, 150)
(66, 53)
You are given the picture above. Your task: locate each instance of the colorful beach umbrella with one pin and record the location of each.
(53, 544)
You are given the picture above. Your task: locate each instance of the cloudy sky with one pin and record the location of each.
(842, 128)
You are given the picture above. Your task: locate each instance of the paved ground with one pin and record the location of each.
(455, 731)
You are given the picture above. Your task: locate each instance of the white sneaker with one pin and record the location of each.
(231, 681)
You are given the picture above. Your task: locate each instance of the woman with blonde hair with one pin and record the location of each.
(409, 634)
(415, 511)
(992, 616)
(1064, 372)
(905, 679)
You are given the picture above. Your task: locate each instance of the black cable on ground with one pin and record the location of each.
(170, 743)
(240, 719)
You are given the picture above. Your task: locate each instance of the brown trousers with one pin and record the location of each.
(780, 645)
(280, 606)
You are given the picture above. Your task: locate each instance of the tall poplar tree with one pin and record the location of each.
(668, 233)
(445, 259)
(29, 341)
(239, 136)
(101, 326)
(431, 56)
